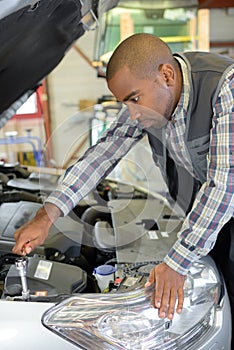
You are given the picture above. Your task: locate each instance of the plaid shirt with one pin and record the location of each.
(213, 207)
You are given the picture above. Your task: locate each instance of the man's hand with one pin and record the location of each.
(168, 287)
(34, 232)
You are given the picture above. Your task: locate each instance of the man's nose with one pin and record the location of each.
(134, 111)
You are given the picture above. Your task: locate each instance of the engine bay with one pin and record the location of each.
(86, 282)
(112, 226)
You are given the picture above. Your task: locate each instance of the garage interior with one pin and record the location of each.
(69, 96)
(68, 111)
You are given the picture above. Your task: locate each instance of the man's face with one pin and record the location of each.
(150, 102)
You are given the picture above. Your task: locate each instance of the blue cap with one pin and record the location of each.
(104, 270)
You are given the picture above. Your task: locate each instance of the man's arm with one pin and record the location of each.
(81, 178)
(96, 163)
(212, 208)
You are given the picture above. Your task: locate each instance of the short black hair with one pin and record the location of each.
(142, 53)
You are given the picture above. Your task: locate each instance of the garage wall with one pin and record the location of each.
(72, 81)
(221, 22)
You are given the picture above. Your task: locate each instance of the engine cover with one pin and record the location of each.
(46, 279)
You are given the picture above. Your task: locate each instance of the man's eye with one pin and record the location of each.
(135, 99)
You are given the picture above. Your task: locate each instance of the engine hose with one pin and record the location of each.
(16, 196)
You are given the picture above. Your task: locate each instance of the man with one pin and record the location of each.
(184, 104)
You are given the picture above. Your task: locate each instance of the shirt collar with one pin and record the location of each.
(184, 98)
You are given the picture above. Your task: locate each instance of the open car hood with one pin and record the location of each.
(35, 35)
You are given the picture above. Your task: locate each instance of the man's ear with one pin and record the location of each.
(168, 73)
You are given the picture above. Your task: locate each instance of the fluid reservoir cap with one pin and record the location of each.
(104, 270)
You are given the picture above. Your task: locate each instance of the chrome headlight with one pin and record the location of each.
(127, 320)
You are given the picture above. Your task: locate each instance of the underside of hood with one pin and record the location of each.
(33, 41)
(35, 35)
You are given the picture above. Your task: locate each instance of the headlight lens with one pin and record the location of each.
(127, 320)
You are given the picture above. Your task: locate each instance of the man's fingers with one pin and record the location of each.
(172, 303)
(151, 279)
(27, 248)
(156, 294)
(159, 295)
(166, 300)
(23, 247)
(168, 287)
(180, 300)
